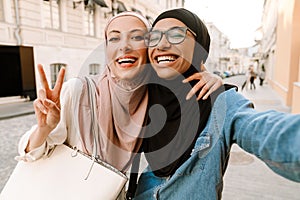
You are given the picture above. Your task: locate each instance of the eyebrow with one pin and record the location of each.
(131, 31)
(113, 31)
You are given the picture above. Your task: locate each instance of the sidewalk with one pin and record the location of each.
(14, 109)
(264, 98)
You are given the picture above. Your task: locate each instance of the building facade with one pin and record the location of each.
(222, 59)
(66, 33)
(219, 48)
(280, 49)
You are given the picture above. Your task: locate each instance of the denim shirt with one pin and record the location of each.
(271, 136)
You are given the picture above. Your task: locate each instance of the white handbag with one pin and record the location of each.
(66, 173)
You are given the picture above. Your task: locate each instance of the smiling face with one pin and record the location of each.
(170, 60)
(125, 48)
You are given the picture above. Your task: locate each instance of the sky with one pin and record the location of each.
(237, 19)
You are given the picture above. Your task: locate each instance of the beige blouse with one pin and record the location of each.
(121, 113)
(70, 96)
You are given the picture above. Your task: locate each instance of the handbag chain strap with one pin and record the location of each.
(135, 166)
(91, 93)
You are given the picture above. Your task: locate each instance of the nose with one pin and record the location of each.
(163, 43)
(125, 45)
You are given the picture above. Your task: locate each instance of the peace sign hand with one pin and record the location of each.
(47, 105)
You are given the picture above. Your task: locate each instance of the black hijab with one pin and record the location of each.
(172, 131)
(193, 22)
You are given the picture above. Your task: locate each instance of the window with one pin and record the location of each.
(94, 68)
(89, 21)
(51, 14)
(54, 69)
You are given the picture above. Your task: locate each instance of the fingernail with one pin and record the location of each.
(188, 97)
(46, 102)
(43, 110)
(184, 81)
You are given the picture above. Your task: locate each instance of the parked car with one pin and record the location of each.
(219, 73)
(227, 74)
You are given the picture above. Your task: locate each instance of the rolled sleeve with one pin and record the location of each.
(33, 154)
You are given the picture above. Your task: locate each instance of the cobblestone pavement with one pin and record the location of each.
(10, 132)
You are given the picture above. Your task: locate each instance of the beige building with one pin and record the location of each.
(224, 59)
(63, 33)
(219, 49)
(281, 49)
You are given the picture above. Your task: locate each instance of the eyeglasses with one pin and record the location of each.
(174, 35)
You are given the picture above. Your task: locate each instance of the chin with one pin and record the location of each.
(166, 73)
(167, 76)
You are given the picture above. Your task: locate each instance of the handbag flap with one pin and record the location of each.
(62, 176)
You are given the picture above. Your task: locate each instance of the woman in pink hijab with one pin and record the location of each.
(63, 113)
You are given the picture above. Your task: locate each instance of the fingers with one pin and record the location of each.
(46, 106)
(60, 80)
(202, 81)
(43, 77)
(202, 67)
(39, 107)
(207, 84)
(204, 91)
(196, 88)
(212, 85)
(211, 90)
(42, 94)
(196, 76)
(52, 107)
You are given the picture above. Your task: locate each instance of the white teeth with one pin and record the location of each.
(165, 59)
(126, 60)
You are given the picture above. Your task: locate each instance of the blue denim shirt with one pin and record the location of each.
(271, 136)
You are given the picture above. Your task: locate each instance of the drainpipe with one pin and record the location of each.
(17, 30)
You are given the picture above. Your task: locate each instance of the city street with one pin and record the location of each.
(246, 178)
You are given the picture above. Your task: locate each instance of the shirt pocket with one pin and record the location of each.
(202, 145)
(197, 161)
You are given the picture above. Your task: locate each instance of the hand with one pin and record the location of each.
(47, 106)
(208, 83)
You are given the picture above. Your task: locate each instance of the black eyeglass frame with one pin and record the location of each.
(184, 30)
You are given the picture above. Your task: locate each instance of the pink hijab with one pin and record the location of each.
(121, 107)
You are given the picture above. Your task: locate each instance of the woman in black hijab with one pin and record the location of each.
(166, 149)
(187, 142)
(170, 145)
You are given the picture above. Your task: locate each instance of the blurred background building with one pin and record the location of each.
(279, 49)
